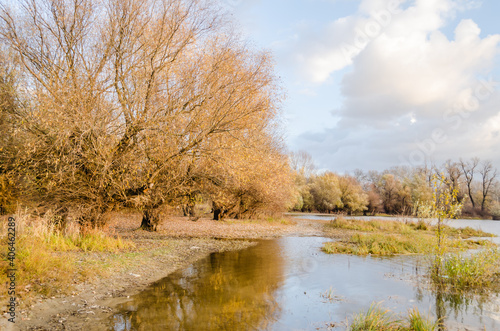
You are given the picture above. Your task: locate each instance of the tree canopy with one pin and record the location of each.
(140, 103)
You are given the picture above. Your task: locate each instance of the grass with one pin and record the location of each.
(48, 260)
(380, 237)
(478, 271)
(280, 220)
(378, 319)
(417, 322)
(379, 244)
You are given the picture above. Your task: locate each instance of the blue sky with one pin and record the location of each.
(378, 83)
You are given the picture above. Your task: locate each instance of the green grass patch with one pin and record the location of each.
(369, 226)
(377, 318)
(402, 227)
(380, 237)
(465, 233)
(380, 244)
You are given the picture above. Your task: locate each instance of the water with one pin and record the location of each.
(289, 284)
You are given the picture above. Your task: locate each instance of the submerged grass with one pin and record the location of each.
(479, 271)
(381, 237)
(377, 318)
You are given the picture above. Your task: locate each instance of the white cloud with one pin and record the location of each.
(407, 82)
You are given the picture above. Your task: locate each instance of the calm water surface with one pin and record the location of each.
(289, 284)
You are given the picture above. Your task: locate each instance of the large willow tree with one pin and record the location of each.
(126, 100)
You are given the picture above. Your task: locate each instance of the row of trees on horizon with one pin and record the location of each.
(399, 190)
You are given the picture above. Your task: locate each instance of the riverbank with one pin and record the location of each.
(153, 256)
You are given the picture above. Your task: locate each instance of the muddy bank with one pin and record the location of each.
(178, 243)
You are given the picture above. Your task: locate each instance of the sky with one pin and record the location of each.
(373, 84)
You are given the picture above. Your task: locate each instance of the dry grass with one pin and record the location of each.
(45, 258)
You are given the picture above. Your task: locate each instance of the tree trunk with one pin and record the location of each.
(90, 220)
(471, 198)
(150, 219)
(219, 212)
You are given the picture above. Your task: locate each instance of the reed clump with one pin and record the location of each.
(377, 318)
(477, 272)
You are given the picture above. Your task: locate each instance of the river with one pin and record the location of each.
(290, 284)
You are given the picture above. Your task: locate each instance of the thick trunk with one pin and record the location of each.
(471, 198)
(150, 219)
(188, 210)
(219, 211)
(218, 214)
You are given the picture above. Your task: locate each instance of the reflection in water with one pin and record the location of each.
(231, 291)
(278, 285)
(454, 308)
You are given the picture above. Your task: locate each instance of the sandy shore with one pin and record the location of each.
(177, 243)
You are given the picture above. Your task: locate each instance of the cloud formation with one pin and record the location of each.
(412, 93)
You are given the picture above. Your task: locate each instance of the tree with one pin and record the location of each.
(351, 195)
(389, 187)
(453, 175)
(125, 97)
(421, 192)
(488, 175)
(302, 163)
(468, 170)
(444, 205)
(244, 182)
(303, 166)
(9, 141)
(326, 193)
(375, 203)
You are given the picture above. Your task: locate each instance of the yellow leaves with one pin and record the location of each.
(445, 204)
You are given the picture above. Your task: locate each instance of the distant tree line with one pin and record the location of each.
(399, 190)
(139, 104)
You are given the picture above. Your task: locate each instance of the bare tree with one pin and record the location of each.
(488, 174)
(302, 163)
(454, 177)
(468, 170)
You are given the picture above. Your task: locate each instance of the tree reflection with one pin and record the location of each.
(231, 290)
(449, 301)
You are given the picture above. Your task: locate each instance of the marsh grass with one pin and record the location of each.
(380, 244)
(402, 227)
(377, 318)
(417, 322)
(382, 237)
(47, 259)
(479, 271)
